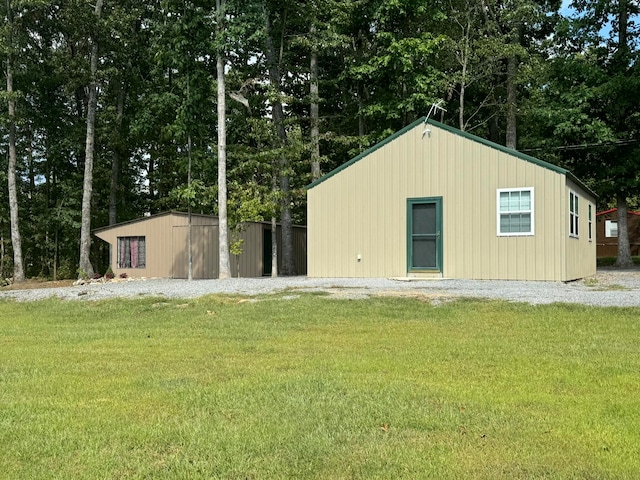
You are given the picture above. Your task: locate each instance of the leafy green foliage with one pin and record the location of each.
(381, 64)
(584, 102)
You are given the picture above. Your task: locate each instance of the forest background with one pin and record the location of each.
(112, 110)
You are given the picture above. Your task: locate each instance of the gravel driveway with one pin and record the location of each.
(607, 288)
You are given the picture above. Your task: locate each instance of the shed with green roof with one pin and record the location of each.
(433, 201)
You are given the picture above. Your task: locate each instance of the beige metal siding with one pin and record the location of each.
(581, 252)
(204, 252)
(249, 262)
(158, 245)
(204, 241)
(167, 246)
(159, 239)
(361, 211)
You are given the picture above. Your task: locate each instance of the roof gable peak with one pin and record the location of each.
(454, 131)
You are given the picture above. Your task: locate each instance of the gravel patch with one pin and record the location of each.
(607, 288)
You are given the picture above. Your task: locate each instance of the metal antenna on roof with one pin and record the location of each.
(434, 108)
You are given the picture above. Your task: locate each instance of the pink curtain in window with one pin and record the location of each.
(121, 251)
(134, 252)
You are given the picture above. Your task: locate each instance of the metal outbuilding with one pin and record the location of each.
(432, 200)
(157, 246)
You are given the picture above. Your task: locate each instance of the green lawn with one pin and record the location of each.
(317, 388)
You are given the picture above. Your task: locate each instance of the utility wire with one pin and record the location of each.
(615, 143)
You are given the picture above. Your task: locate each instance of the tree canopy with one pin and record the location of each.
(308, 85)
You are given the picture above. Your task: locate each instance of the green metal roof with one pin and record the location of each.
(455, 131)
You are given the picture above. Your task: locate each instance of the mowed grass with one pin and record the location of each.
(317, 388)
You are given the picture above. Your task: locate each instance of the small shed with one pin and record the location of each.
(433, 201)
(607, 232)
(157, 246)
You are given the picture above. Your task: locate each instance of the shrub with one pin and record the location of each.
(66, 271)
(605, 261)
(123, 275)
(610, 261)
(96, 276)
(109, 274)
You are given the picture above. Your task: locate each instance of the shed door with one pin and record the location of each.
(424, 229)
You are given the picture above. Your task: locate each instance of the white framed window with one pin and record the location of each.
(574, 214)
(611, 228)
(132, 252)
(515, 212)
(590, 222)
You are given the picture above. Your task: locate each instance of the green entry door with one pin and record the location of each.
(424, 232)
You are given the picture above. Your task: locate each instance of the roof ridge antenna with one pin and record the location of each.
(434, 108)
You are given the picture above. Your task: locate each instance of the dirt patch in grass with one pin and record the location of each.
(359, 293)
(38, 283)
(614, 279)
(433, 298)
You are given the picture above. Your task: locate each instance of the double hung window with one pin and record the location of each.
(573, 215)
(515, 211)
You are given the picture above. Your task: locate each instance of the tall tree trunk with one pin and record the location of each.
(55, 257)
(116, 160)
(274, 243)
(461, 111)
(623, 29)
(151, 172)
(314, 109)
(1, 257)
(85, 267)
(463, 59)
(274, 222)
(189, 215)
(224, 267)
(38, 251)
(624, 259)
(462, 93)
(288, 263)
(16, 240)
(512, 93)
(31, 165)
(512, 89)
(361, 125)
